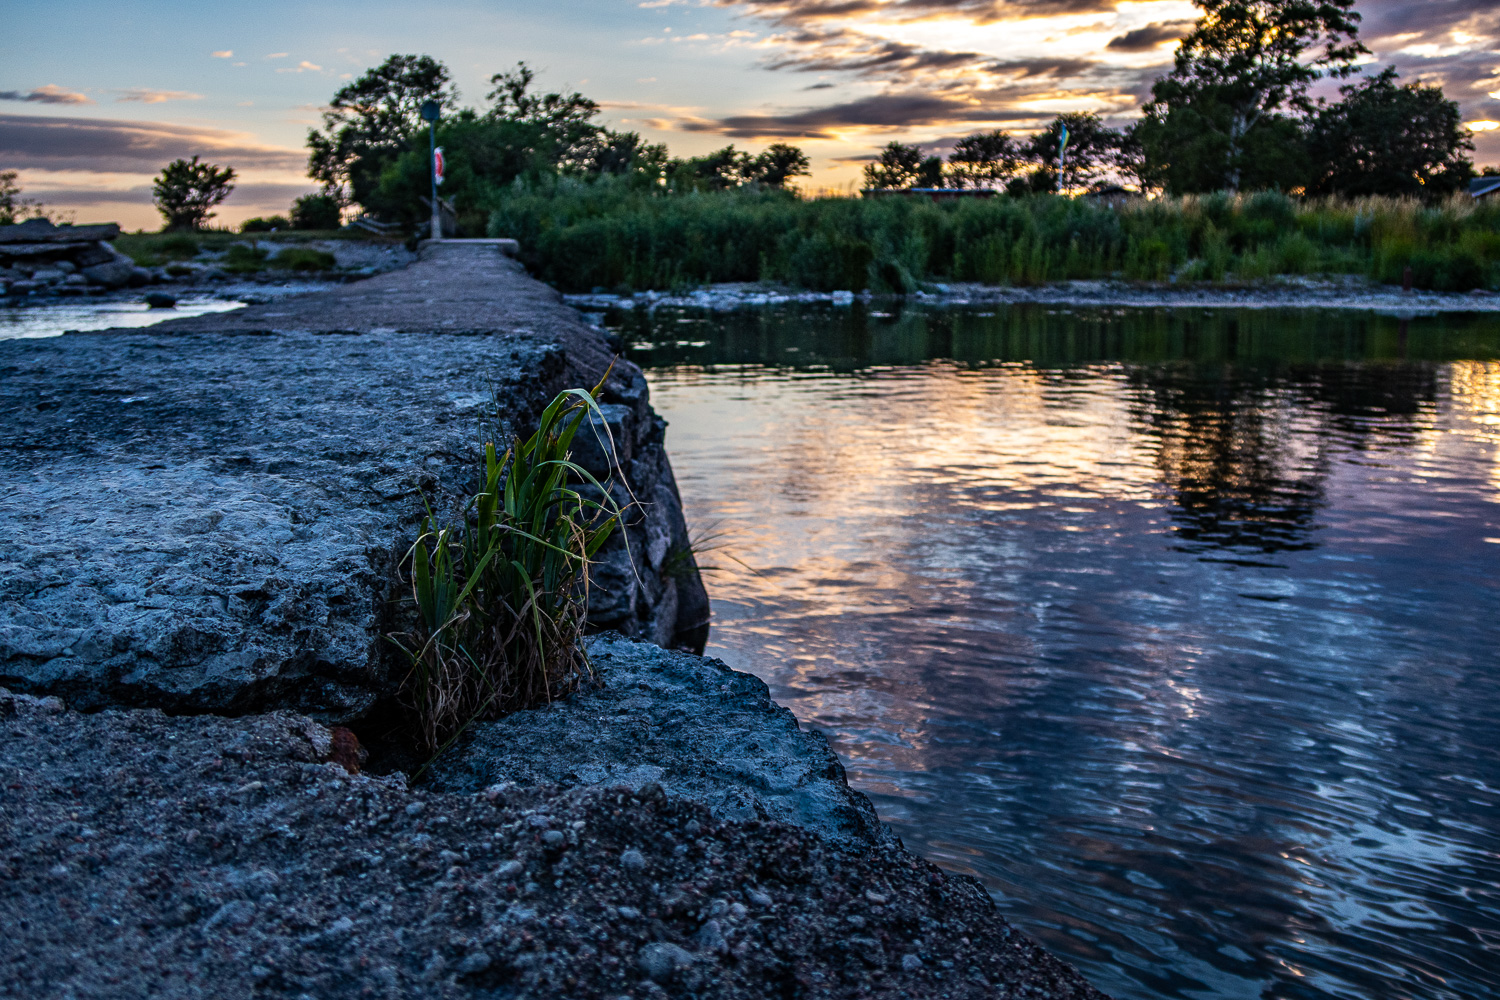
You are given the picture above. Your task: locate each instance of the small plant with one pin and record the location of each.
(303, 259)
(501, 593)
(268, 225)
(243, 259)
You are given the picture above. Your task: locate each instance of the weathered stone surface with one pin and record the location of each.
(690, 724)
(43, 231)
(205, 515)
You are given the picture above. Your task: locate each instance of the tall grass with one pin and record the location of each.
(582, 236)
(501, 592)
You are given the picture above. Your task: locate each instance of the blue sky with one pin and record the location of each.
(93, 94)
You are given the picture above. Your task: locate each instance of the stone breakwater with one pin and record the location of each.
(204, 518)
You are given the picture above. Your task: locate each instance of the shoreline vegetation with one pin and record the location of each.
(583, 237)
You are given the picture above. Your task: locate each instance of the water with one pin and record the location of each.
(55, 318)
(1177, 629)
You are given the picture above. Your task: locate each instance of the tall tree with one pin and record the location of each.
(984, 159)
(1384, 138)
(186, 192)
(1245, 64)
(777, 164)
(371, 122)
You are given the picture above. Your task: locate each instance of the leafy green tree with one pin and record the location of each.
(186, 191)
(984, 159)
(1246, 66)
(371, 122)
(316, 211)
(716, 171)
(777, 164)
(1091, 154)
(1384, 138)
(903, 166)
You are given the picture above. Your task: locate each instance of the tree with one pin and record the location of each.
(316, 211)
(1384, 138)
(186, 191)
(1244, 66)
(717, 171)
(561, 126)
(777, 164)
(903, 166)
(984, 159)
(1091, 154)
(371, 122)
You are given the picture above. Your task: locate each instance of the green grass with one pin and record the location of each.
(584, 236)
(501, 590)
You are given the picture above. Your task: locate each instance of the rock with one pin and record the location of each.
(160, 300)
(633, 861)
(910, 963)
(117, 272)
(43, 231)
(661, 960)
(257, 485)
(689, 724)
(48, 275)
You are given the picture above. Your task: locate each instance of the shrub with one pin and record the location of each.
(244, 259)
(316, 211)
(259, 225)
(303, 259)
(501, 592)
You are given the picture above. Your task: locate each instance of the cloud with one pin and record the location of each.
(223, 54)
(145, 95)
(1150, 37)
(302, 67)
(277, 55)
(880, 112)
(100, 145)
(48, 94)
(796, 12)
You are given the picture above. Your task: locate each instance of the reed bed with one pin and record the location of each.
(583, 236)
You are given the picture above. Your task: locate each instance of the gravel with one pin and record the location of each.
(148, 855)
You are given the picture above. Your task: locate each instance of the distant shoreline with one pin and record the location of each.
(1336, 293)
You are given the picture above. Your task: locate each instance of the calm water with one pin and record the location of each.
(19, 322)
(1179, 630)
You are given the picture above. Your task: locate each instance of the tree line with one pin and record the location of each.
(1235, 113)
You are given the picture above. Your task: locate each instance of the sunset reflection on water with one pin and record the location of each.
(1178, 630)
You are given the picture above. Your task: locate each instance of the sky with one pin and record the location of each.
(96, 97)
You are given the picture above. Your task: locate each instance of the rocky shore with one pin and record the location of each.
(1323, 292)
(199, 540)
(40, 262)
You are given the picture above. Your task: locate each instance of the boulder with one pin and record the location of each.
(118, 271)
(687, 723)
(43, 231)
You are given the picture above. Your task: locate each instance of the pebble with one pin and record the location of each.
(510, 869)
(758, 898)
(415, 808)
(628, 912)
(555, 839)
(910, 963)
(474, 961)
(632, 860)
(661, 960)
(875, 898)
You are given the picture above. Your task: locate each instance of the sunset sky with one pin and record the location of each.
(95, 97)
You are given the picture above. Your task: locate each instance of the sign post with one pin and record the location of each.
(1062, 155)
(430, 111)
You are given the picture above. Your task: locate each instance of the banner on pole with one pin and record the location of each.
(437, 165)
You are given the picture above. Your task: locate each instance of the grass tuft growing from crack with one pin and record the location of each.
(501, 592)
